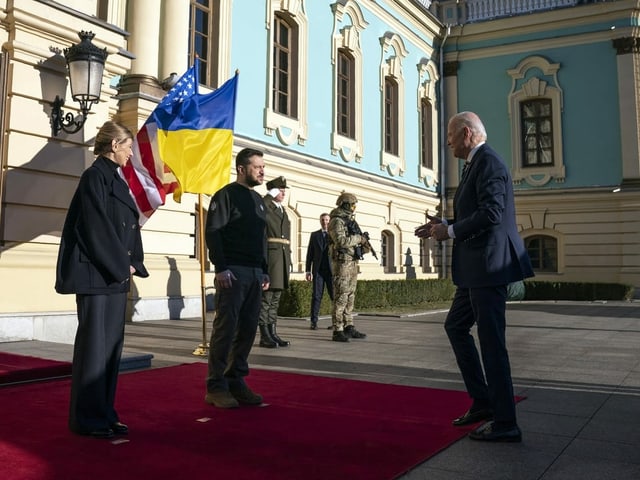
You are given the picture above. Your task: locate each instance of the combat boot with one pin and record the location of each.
(350, 331)
(265, 338)
(274, 334)
(339, 336)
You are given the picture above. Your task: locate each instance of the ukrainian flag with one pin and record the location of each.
(195, 134)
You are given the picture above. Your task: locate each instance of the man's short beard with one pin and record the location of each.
(253, 182)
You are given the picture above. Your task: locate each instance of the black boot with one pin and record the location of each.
(266, 340)
(339, 336)
(351, 332)
(274, 335)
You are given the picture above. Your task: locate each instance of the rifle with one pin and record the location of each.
(354, 229)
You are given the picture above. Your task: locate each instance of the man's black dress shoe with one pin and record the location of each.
(489, 433)
(120, 428)
(99, 433)
(314, 326)
(473, 416)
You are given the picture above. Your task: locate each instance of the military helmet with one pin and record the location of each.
(345, 197)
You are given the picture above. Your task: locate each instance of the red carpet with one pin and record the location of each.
(22, 368)
(313, 428)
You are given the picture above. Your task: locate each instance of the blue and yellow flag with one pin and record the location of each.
(195, 134)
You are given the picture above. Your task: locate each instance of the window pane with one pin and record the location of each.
(391, 121)
(545, 109)
(537, 132)
(345, 94)
(201, 23)
(204, 19)
(543, 252)
(545, 126)
(284, 66)
(426, 133)
(283, 61)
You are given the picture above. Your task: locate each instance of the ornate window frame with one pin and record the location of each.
(524, 87)
(288, 129)
(392, 53)
(348, 23)
(427, 80)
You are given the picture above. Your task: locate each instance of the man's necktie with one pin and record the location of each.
(465, 171)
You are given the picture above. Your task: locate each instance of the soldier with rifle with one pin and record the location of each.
(347, 245)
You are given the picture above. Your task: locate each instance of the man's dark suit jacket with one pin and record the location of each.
(317, 253)
(487, 249)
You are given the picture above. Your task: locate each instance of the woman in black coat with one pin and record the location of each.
(100, 248)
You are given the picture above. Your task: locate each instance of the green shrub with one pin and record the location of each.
(370, 295)
(380, 295)
(578, 291)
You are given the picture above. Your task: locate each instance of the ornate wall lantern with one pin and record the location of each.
(85, 63)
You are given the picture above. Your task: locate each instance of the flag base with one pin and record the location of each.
(201, 350)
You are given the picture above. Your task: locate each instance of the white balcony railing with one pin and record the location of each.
(486, 9)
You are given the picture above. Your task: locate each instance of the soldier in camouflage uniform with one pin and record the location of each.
(345, 249)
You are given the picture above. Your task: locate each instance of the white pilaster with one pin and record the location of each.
(144, 26)
(174, 37)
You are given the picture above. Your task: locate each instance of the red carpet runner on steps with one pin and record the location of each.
(22, 368)
(311, 428)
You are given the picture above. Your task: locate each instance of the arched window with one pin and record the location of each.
(387, 257)
(426, 129)
(347, 136)
(284, 69)
(345, 95)
(543, 252)
(391, 116)
(428, 116)
(392, 86)
(537, 132)
(535, 109)
(285, 114)
(209, 22)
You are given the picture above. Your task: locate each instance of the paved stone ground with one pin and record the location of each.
(577, 363)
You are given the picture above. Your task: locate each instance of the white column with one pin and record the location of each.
(629, 105)
(144, 25)
(174, 37)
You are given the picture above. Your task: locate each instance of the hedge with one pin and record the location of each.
(370, 295)
(374, 295)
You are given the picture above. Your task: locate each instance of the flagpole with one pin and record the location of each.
(203, 348)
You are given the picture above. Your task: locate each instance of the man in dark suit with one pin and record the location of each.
(488, 254)
(318, 268)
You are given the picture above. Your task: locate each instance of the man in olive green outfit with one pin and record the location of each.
(345, 249)
(278, 260)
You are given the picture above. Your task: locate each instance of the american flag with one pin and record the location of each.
(149, 179)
